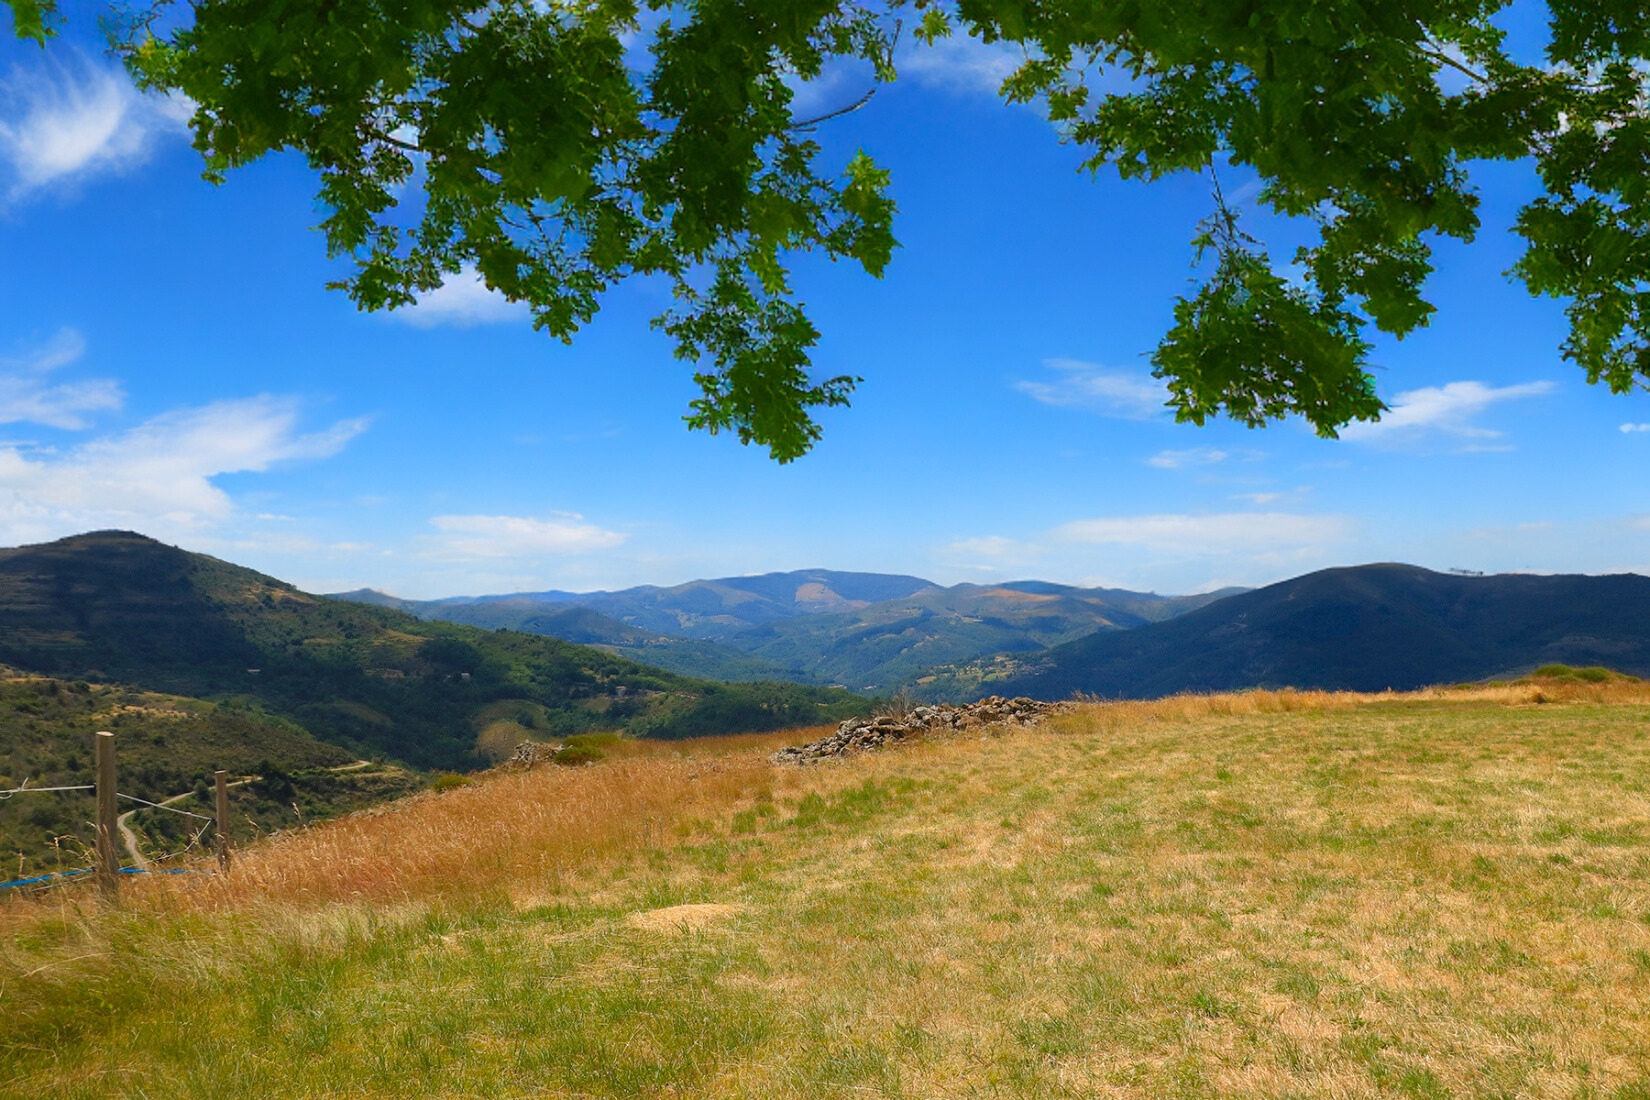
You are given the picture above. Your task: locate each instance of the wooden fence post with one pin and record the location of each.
(220, 780)
(108, 825)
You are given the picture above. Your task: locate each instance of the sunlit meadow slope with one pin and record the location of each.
(1263, 895)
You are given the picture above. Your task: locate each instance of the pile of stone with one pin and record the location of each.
(865, 734)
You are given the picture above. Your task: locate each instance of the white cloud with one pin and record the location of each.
(1209, 534)
(158, 476)
(990, 553)
(989, 546)
(60, 121)
(1196, 456)
(841, 83)
(1635, 427)
(1449, 409)
(960, 63)
(1164, 552)
(1130, 395)
(25, 395)
(463, 300)
(65, 346)
(517, 536)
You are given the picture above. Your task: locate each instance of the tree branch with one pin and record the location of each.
(1434, 54)
(379, 135)
(811, 123)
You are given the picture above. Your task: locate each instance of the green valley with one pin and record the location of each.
(870, 633)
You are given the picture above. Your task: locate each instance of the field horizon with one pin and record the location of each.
(1432, 894)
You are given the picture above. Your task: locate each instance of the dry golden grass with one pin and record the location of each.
(1261, 895)
(511, 826)
(678, 918)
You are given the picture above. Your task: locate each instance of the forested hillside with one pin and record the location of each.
(868, 632)
(166, 745)
(116, 607)
(574, 622)
(1363, 628)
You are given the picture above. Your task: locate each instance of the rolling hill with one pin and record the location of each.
(1362, 628)
(167, 745)
(815, 626)
(574, 622)
(116, 607)
(897, 643)
(703, 608)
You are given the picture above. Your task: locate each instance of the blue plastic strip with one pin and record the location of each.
(44, 878)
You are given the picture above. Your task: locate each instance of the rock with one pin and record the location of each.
(865, 734)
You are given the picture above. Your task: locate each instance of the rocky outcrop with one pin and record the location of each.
(865, 734)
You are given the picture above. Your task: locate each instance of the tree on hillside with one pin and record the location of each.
(560, 147)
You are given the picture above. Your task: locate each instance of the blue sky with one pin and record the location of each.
(170, 362)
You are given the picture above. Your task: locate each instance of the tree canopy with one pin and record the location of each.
(558, 147)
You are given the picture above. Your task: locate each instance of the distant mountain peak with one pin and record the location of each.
(1363, 628)
(815, 625)
(374, 597)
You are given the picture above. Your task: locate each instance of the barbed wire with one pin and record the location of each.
(168, 809)
(26, 789)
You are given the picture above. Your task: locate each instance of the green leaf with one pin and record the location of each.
(557, 167)
(1253, 347)
(31, 19)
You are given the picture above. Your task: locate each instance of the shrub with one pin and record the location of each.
(446, 781)
(272, 783)
(571, 756)
(585, 748)
(899, 705)
(1594, 674)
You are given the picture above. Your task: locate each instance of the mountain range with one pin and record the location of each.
(1365, 627)
(869, 632)
(117, 607)
(1361, 628)
(429, 682)
(200, 664)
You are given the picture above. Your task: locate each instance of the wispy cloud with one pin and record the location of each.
(1635, 427)
(961, 64)
(1164, 552)
(519, 536)
(158, 476)
(1449, 409)
(841, 83)
(462, 300)
(1209, 534)
(988, 553)
(1195, 456)
(958, 64)
(68, 117)
(26, 396)
(1130, 395)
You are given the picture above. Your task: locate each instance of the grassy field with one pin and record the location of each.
(1291, 895)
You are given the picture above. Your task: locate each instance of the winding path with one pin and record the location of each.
(130, 839)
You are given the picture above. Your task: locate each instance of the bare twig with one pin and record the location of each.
(811, 123)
